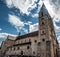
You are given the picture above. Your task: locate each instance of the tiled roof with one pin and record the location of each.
(27, 35)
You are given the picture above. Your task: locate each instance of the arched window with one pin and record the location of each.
(28, 47)
(14, 48)
(35, 41)
(18, 48)
(21, 52)
(43, 32)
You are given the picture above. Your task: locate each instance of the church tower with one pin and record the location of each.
(48, 42)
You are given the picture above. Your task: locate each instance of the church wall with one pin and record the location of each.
(15, 51)
(32, 50)
(6, 44)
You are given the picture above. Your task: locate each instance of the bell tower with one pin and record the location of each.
(47, 35)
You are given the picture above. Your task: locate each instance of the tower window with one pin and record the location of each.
(42, 32)
(42, 14)
(42, 23)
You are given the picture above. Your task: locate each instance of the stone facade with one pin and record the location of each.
(24, 46)
(42, 43)
(49, 45)
(8, 42)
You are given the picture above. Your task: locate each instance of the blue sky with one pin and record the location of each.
(22, 16)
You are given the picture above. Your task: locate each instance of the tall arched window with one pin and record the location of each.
(18, 48)
(21, 52)
(28, 47)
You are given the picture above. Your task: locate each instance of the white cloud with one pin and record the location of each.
(26, 5)
(58, 38)
(25, 30)
(35, 15)
(16, 22)
(50, 8)
(9, 3)
(33, 27)
(53, 9)
(28, 23)
(57, 28)
(23, 5)
(4, 35)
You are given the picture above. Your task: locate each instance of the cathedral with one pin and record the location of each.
(41, 43)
